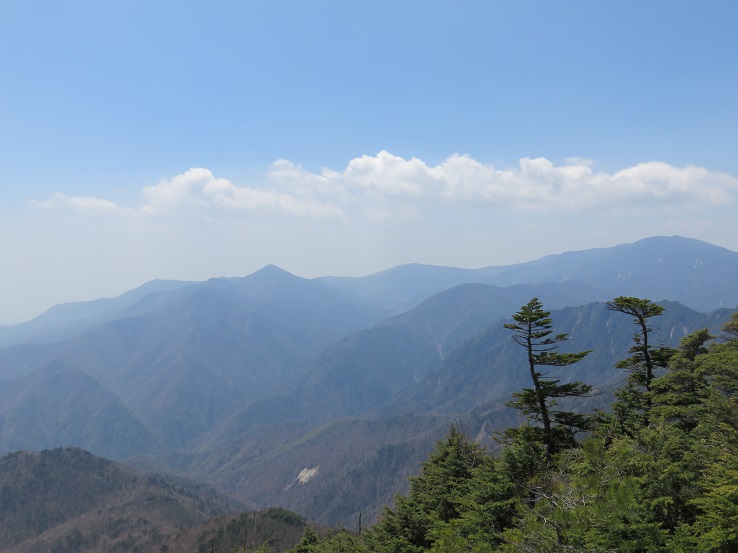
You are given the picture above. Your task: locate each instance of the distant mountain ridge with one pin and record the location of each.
(245, 382)
(221, 344)
(67, 319)
(690, 271)
(354, 372)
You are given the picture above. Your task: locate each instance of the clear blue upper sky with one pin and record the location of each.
(186, 140)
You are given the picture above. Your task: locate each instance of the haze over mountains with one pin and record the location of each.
(245, 383)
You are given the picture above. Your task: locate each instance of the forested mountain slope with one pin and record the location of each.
(246, 382)
(485, 369)
(658, 473)
(470, 386)
(179, 363)
(69, 501)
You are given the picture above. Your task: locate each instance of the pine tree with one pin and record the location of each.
(533, 331)
(635, 399)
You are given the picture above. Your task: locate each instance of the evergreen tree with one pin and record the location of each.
(635, 399)
(339, 541)
(716, 526)
(731, 327)
(439, 495)
(669, 485)
(307, 543)
(533, 331)
(489, 508)
(680, 393)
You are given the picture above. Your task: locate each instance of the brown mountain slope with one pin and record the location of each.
(279, 528)
(68, 500)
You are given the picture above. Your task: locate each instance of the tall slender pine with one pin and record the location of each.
(533, 331)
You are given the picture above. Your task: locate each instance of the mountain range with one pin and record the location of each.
(322, 395)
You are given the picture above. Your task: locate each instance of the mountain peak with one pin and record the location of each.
(271, 275)
(272, 271)
(679, 241)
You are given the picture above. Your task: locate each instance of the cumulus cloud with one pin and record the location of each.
(535, 182)
(180, 192)
(386, 186)
(199, 191)
(298, 181)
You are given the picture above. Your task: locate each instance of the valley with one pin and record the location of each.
(243, 385)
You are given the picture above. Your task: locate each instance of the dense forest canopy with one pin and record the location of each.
(657, 472)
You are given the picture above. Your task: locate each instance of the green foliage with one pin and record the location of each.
(274, 529)
(635, 400)
(284, 516)
(308, 541)
(263, 548)
(458, 486)
(339, 541)
(716, 524)
(489, 508)
(532, 330)
(679, 394)
(731, 327)
(670, 485)
(524, 455)
(658, 475)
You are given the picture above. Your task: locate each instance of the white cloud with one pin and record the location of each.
(390, 175)
(223, 194)
(182, 191)
(82, 204)
(298, 181)
(198, 190)
(662, 181)
(535, 182)
(386, 186)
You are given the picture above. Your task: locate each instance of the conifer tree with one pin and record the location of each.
(680, 393)
(635, 399)
(533, 331)
(308, 541)
(459, 492)
(731, 327)
(435, 497)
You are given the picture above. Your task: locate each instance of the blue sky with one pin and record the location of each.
(188, 140)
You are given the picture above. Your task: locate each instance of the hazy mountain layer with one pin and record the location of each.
(692, 272)
(248, 382)
(347, 459)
